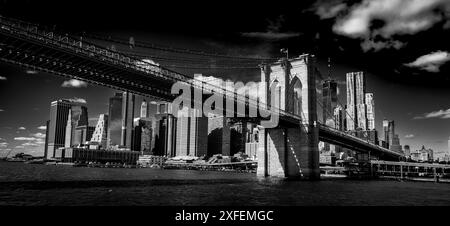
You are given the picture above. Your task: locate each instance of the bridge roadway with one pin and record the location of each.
(27, 45)
(336, 137)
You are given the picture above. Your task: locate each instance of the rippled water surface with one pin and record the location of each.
(24, 184)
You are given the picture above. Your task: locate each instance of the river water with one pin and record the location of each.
(26, 184)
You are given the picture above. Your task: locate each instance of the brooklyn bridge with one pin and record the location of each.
(289, 149)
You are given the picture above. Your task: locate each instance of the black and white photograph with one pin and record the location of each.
(239, 106)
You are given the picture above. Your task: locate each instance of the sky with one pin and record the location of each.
(401, 45)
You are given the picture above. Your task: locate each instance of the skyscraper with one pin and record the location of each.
(391, 133)
(407, 150)
(356, 103)
(100, 135)
(78, 117)
(386, 133)
(47, 127)
(69, 135)
(329, 99)
(360, 87)
(219, 136)
(395, 144)
(449, 146)
(329, 103)
(127, 119)
(164, 131)
(370, 104)
(114, 133)
(351, 117)
(82, 135)
(142, 135)
(192, 134)
(339, 118)
(392, 141)
(59, 113)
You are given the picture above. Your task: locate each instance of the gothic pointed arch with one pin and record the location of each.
(295, 96)
(274, 86)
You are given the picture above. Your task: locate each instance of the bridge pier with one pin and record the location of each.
(288, 153)
(292, 151)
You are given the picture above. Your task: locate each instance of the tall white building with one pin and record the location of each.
(360, 87)
(100, 133)
(360, 105)
(370, 104)
(351, 105)
(69, 134)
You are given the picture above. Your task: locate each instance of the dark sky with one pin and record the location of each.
(401, 45)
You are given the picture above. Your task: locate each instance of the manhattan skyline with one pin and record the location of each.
(416, 98)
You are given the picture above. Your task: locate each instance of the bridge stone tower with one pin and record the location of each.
(290, 151)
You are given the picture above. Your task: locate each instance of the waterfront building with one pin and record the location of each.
(77, 119)
(219, 136)
(83, 134)
(142, 135)
(114, 125)
(59, 115)
(127, 119)
(192, 133)
(407, 150)
(99, 135)
(85, 155)
(164, 130)
(422, 155)
(47, 126)
(395, 145)
(69, 135)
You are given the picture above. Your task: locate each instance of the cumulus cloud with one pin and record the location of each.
(26, 138)
(383, 19)
(370, 44)
(74, 83)
(3, 144)
(21, 128)
(3, 78)
(329, 9)
(31, 72)
(19, 146)
(38, 135)
(409, 136)
(29, 144)
(441, 114)
(1, 110)
(77, 100)
(42, 128)
(431, 62)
